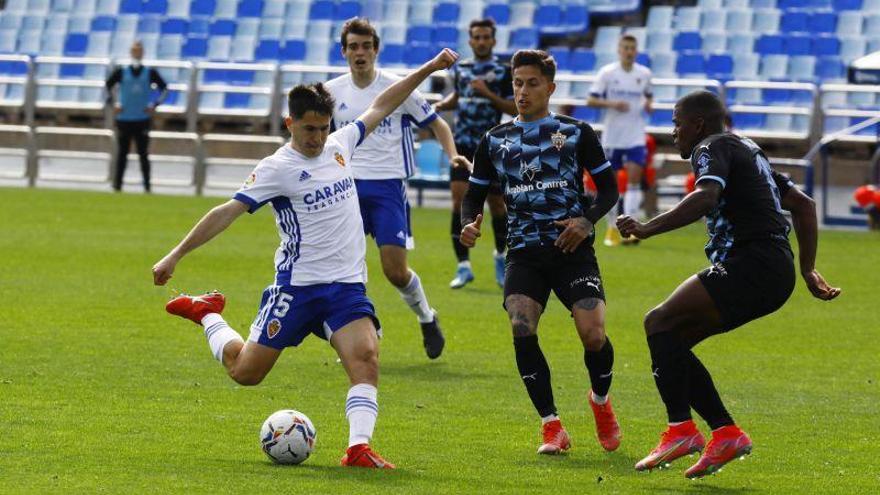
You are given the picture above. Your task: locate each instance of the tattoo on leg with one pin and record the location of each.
(588, 304)
(520, 324)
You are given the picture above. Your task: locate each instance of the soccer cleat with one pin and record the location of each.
(677, 441)
(499, 268)
(555, 438)
(432, 337)
(463, 276)
(607, 428)
(728, 443)
(612, 237)
(361, 455)
(196, 307)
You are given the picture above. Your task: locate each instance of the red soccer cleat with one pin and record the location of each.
(607, 428)
(361, 455)
(727, 444)
(555, 438)
(677, 441)
(196, 307)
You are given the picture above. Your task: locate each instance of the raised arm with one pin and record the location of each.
(693, 207)
(803, 216)
(214, 222)
(394, 95)
(443, 134)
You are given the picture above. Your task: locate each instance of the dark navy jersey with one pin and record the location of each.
(540, 166)
(476, 114)
(750, 206)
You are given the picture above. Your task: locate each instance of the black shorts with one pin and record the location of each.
(461, 173)
(755, 280)
(534, 272)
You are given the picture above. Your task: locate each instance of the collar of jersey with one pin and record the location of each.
(535, 123)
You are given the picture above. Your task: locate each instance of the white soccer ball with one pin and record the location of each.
(288, 437)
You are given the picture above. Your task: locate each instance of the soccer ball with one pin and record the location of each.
(288, 437)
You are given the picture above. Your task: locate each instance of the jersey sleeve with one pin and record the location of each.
(711, 162)
(783, 182)
(419, 109)
(260, 187)
(351, 136)
(590, 155)
(484, 172)
(600, 85)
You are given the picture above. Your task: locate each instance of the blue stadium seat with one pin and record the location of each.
(587, 114)
(500, 12)
(155, 7)
(199, 26)
(222, 27)
(687, 41)
(418, 54)
(582, 60)
(822, 22)
(548, 18)
(236, 100)
(268, 50)
(830, 68)
(250, 8)
(131, 7)
(346, 10)
(322, 10)
(419, 34)
(202, 7)
(335, 56)
(644, 59)
(661, 117)
(104, 23)
(294, 50)
(445, 36)
(825, 45)
(148, 24)
(770, 44)
(719, 66)
(847, 5)
(391, 54)
(13, 68)
(214, 76)
(174, 26)
(562, 55)
(794, 21)
(797, 44)
(194, 48)
(691, 63)
(576, 18)
(72, 71)
(743, 120)
(523, 38)
(446, 13)
(75, 45)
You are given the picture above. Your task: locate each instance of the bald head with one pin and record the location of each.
(704, 105)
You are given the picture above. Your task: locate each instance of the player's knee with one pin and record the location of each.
(594, 338)
(246, 377)
(656, 320)
(397, 275)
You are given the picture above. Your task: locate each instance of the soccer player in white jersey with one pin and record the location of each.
(382, 164)
(320, 264)
(623, 89)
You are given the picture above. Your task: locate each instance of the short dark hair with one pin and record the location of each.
(358, 25)
(704, 104)
(482, 23)
(629, 37)
(539, 58)
(309, 98)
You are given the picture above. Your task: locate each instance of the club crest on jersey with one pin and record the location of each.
(703, 163)
(273, 328)
(558, 140)
(250, 180)
(339, 159)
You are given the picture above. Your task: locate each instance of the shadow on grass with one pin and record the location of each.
(433, 371)
(380, 478)
(702, 487)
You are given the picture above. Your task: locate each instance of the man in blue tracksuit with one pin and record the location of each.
(134, 111)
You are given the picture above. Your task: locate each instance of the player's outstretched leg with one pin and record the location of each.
(358, 349)
(589, 318)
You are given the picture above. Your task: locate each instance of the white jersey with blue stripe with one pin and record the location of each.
(387, 153)
(316, 209)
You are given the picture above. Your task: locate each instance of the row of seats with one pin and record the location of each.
(837, 5)
(764, 20)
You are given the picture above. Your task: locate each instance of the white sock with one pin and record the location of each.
(465, 264)
(361, 410)
(632, 201)
(218, 333)
(598, 399)
(547, 419)
(414, 296)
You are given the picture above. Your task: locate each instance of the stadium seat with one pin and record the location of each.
(852, 48)
(170, 47)
(148, 24)
(770, 44)
(242, 48)
(606, 38)
(822, 22)
(79, 24)
(687, 19)
(500, 12)
(745, 66)
(644, 59)
(850, 23)
(797, 44)
(774, 67)
(155, 7)
(739, 21)
(219, 48)
(322, 10)
(10, 21)
(847, 5)
(548, 18)
(199, 26)
(872, 25)
(714, 42)
(765, 20)
(104, 23)
(779, 122)
(794, 21)
(335, 57)
(659, 41)
(391, 54)
(582, 60)
(396, 12)
(29, 43)
(236, 100)
(446, 13)
(719, 66)
(131, 7)
(226, 9)
(522, 14)
(222, 27)
(194, 48)
(416, 55)
(56, 24)
(445, 36)
(663, 64)
(346, 10)
(523, 38)
(744, 120)
(830, 69)
(294, 50)
(250, 8)
(576, 18)
(687, 41)
(297, 29)
(178, 8)
(713, 20)
(562, 55)
(8, 41)
(395, 34)
(690, 63)
(317, 50)
(661, 117)
(419, 34)
(174, 26)
(75, 45)
(825, 45)
(421, 12)
(202, 8)
(802, 68)
(271, 29)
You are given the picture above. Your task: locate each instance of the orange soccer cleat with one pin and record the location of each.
(196, 307)
(361, 455)
(607, 428)
(727, 444)
(677, 441)
(555, 438)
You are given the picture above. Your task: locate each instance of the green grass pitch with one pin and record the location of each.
(102, 392)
